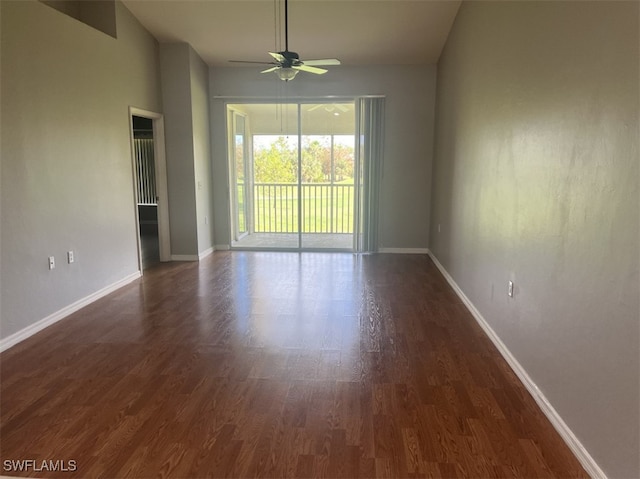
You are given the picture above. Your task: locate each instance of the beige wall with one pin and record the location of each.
(67, 181)
(535, 180)
(202, 150)
(185, 99)
(176, 99)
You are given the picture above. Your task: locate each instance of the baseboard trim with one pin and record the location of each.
(29, 331)
(556, 420)
(185, 257)
(404, 250)
(193, 257)
(222, 247)
(205, 253)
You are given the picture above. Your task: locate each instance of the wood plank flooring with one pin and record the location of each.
(275, 365)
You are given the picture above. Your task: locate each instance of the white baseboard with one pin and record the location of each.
(558, 423)
(185, 257)
(404, 250)
(205, 253)
(29, 331)
(222, 247)
(193, 257)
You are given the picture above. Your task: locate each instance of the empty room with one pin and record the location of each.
(320, 238)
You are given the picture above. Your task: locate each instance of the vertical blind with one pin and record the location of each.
(146, 171)
(370, 134)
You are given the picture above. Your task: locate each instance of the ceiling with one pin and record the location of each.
(358, 32)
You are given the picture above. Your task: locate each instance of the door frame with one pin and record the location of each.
(230, 109)
(162, 191)
(232, 113)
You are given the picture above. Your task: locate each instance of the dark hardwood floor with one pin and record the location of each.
(275, 365)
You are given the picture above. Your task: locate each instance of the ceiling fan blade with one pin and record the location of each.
(269, 70)
(277, 56)
(330, 107)
(260, 63)
(319, 63)
(305, 68)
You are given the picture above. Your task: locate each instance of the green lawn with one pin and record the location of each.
(325, 208)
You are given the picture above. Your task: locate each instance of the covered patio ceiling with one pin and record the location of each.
(333, 117)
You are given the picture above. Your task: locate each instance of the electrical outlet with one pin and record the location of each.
(206, 220)
(510, 291)
(70, 258)
(52, 262)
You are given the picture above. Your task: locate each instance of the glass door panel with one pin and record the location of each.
(239, 173)
(275, 162)
(272, 176)
(327, 171)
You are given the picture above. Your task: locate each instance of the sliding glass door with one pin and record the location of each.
(274, 145)
(298, 189)
(327, 175)
(239, 174)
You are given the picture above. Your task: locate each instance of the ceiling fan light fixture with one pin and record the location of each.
(286, 73)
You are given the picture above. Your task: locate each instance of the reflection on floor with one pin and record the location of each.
(149, 242)
(290, 241)
(150, 245)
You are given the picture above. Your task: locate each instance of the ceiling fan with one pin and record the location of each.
(330, 107)
(287, 64)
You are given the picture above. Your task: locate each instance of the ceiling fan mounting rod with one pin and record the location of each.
(286, 25)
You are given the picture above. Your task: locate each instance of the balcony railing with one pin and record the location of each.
(325, 208)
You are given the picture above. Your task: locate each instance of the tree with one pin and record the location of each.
(315, 157)
(278, 164)
(343, 162)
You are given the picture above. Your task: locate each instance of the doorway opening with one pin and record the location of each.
(293, 181)
(149, 166)
(147, 203)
